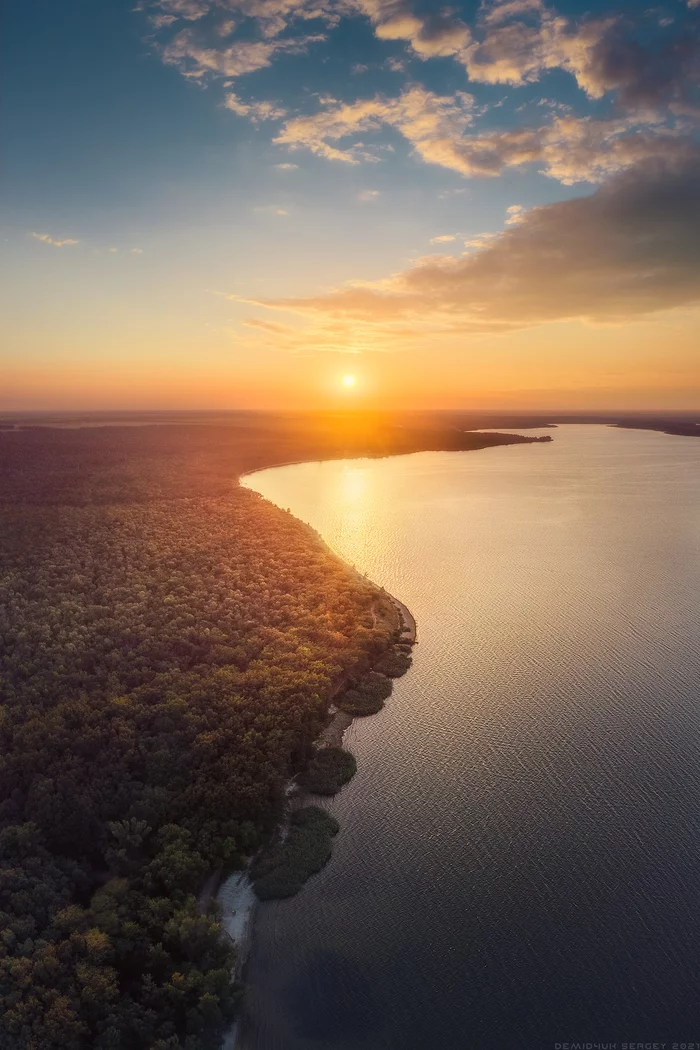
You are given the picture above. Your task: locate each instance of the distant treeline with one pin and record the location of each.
(140, 464)
(169, 645)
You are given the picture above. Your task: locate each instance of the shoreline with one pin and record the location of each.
(340, 721)
(409, 629)
(236, 894)
(335, 458)
(239, 905)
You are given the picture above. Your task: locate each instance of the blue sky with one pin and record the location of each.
(231, 186)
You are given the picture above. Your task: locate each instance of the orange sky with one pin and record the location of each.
(568, 365)
(456, 221)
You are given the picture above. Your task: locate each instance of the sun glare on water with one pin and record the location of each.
(348, 381)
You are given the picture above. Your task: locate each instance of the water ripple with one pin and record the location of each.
(518, 855)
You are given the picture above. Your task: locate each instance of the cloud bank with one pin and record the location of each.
(628, 251)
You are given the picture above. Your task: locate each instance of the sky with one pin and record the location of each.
(237, 203)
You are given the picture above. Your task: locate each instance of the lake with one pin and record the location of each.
(519, 857)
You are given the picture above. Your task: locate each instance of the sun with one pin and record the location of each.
(348, 381)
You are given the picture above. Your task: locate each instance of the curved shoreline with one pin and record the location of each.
(237, 887)
(409, 630)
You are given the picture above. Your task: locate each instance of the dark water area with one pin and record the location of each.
(519, 857)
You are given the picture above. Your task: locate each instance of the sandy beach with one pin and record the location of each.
(238, 903)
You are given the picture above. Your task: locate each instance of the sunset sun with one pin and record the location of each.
(348, 382)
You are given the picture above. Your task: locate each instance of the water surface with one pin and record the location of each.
(519, 856)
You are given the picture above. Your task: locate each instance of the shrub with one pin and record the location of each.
(284, 869)
(368, 695)
(330, 768)
(394, 663)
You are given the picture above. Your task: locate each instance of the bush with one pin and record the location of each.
(329, 769)
(367, 697)
(284, 870)
(394, 663)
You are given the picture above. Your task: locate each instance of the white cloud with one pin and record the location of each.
(429, 122)
(514, 41)
(436, 35)
(368, 195)
(189, 52)
(45, 238)
(443, 238)
(571, 149)
(190, 10)
(502, 10)
(287, 167)
(516, 213)
(255, 111)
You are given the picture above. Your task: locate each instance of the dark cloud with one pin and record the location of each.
(664, 68)
(640, 61)
(629, 250)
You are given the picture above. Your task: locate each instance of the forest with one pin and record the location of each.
(169, 647)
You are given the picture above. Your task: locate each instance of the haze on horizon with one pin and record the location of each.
(239, 203)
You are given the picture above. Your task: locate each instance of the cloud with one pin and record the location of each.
(266, 326)
(514, 41)
(190, 10)
(188, 51)
(230, 38)
(269, 17)
(521, 39)
(509, 53)
(502, 10)
(368, 195)
(571, 149)
(604, 56)
(516, 214)
(287, 167)
(67, 242)
(429, 122)
(443, 238)
(435, 35)
(333, 335)
(259, 26)
(629, 250)
(255, 111)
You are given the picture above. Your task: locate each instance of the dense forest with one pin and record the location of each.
(169, 646)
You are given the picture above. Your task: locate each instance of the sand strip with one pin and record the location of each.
(238, 903)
